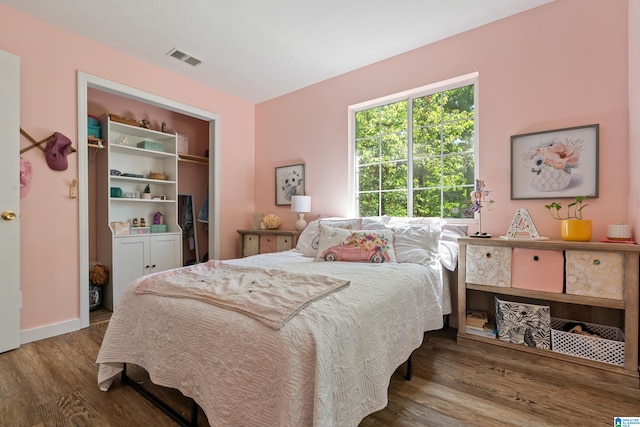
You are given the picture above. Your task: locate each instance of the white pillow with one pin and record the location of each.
(417, 243)
(401, 220)
(449, 248)
(308, 239)
(337, 244)
(305, 239)
(372, 222)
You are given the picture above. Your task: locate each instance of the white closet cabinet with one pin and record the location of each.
(123, 171)
(135, 256)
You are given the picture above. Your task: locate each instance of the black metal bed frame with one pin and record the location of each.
(159, 403)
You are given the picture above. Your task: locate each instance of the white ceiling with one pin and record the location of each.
(260, 49)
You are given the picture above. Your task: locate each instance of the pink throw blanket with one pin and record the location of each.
(271, 296)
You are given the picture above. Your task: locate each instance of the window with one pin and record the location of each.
(415, 153)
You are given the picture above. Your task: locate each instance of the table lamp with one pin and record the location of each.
(301, 204)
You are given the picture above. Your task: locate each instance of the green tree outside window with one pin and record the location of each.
(416, 157)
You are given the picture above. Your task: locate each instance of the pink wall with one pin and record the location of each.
(50, 59)
(560, 65)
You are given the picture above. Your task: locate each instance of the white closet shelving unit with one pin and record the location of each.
(139, 252)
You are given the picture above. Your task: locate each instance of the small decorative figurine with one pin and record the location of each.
(158, 218)
(478, 199)
(144, 123)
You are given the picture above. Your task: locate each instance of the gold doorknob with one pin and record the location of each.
(8, 215)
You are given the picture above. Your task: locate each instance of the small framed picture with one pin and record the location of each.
(561, 163)
(289, 182)
(256, 219)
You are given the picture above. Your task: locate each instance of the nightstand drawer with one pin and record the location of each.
(284, 243)
(595, 274)
(488, 265)
(268, 244)
(250, 244)
(538, 270)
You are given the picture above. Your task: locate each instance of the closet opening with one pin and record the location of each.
(197, 170)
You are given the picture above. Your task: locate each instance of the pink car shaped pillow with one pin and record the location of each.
(359, 247)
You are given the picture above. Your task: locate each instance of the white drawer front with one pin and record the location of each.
(595, 274)
(488, 265)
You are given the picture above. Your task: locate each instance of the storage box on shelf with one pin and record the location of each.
(93, 127)
(488, 265)
(595, 274)
(183, 144)
(605, 345)
(523, 323)
(122, 174)
(538, 270)
(591, 270)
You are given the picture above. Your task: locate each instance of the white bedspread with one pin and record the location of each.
(330, 365)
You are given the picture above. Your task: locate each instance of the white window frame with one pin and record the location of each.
(464, 80)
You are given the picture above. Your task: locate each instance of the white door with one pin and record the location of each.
(9, 202)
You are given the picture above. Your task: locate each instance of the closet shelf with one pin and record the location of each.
(190, 158)
(130, 200)
(95, 142)
(140, 180)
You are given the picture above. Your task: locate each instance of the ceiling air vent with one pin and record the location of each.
(184, 57)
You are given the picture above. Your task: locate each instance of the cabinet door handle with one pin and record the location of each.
(488, 255)
(146, 266)
(596, 262)
(153, 266)
(536, 258)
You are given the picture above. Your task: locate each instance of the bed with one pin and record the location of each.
(328, 364)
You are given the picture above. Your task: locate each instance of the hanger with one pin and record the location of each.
(38, 144)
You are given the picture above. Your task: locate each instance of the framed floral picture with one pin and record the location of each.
(561, 163)
(289, 182)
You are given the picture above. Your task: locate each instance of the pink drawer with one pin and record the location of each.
(268, 244)
(538, 270)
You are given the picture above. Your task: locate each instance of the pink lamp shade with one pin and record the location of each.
(301, 204)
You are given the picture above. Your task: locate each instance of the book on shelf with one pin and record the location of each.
(488, 331)
(476, 318)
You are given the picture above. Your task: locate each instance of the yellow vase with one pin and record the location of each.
(578, 230)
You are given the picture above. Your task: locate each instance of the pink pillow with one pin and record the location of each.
(337, 244)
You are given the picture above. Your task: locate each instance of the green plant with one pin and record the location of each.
(147, 189)
(574, 209)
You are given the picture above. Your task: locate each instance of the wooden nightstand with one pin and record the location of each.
(254, 242)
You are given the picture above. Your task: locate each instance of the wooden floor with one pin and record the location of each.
(99, 315)
(52, 382)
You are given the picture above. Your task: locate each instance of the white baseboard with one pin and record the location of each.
(49, 331)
